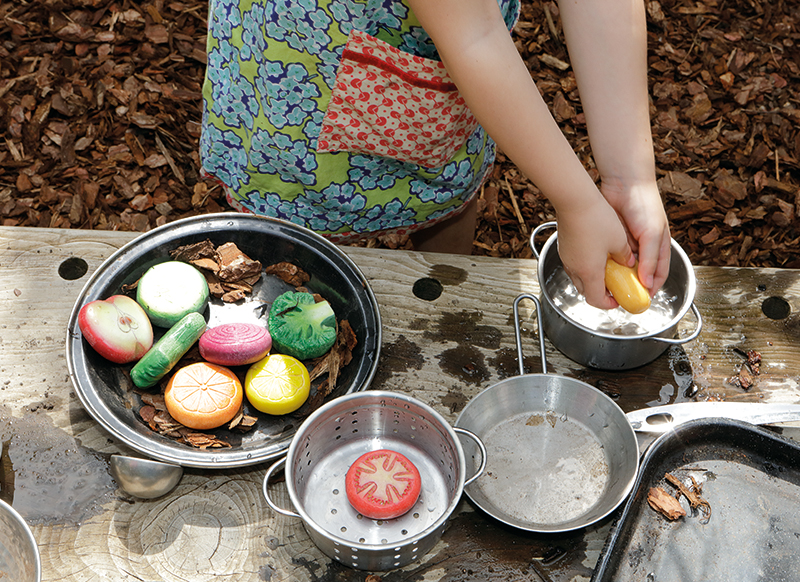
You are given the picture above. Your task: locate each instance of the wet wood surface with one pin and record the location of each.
(447, 335)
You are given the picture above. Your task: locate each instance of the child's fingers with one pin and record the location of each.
(598, 296)
(664, 256)
(654, 258)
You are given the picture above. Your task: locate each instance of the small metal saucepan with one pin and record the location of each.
(612, 339)
(561, 455)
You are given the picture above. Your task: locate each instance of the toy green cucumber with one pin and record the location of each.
(166, 352)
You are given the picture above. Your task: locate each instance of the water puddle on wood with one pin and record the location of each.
(46, 475)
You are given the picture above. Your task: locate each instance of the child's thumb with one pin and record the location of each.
(625, 257)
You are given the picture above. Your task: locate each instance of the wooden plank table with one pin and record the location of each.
(216, 526)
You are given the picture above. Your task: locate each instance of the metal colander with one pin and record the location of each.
(328, 443)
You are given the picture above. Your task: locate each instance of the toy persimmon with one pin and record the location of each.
(203, 396)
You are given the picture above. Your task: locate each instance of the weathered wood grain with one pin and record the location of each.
(216, 525)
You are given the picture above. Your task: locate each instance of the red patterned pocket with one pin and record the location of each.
(393, 104)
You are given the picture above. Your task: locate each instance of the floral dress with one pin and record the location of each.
(337, 115)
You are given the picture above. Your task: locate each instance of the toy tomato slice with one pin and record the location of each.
(382, 484)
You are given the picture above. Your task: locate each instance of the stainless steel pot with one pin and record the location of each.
(612, 339)
(334, 436)
(19, 554)
(561, 455)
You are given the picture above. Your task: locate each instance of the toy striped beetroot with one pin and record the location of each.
(235, 344)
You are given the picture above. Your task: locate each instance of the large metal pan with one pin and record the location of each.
(561, 455)
(105, 389)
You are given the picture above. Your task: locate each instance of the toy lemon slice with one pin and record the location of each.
(277, 384)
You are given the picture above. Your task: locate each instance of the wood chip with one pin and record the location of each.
(229, 272)
(724, 126)
(288, 273)
(665, 504)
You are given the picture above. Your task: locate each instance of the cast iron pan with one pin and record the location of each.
(750, 478)
(105, 389)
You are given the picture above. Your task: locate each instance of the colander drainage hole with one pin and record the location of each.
(333, 511)
(359, 516)
(344, 529)
(404, 532)
(361, 540)
(336, 492)
(416, 516)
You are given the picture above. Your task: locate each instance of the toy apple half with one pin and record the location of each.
(117, 328)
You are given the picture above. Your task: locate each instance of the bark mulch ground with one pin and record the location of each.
(100, 112)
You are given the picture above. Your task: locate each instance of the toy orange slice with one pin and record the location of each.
(203, 396)
(277, 384)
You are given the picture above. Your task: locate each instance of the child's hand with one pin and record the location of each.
(642, 212)
(586, 237)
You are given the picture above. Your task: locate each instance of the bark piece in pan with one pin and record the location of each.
(665, 504)
(230, 273)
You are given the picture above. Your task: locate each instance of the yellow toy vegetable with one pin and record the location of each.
(625, 287)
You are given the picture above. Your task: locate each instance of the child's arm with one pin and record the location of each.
(607, 41)
(484, 63)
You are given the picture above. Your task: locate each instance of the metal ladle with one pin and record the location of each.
(145, 478)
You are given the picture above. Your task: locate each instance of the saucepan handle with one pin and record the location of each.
(535, 233)
(688, 338)
(275, 466)
(481, 446)
(539, 331)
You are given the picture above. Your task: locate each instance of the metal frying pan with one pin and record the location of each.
(561, 455)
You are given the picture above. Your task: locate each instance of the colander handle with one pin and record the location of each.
(275, 466)
(479, 442)
(688, 338)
